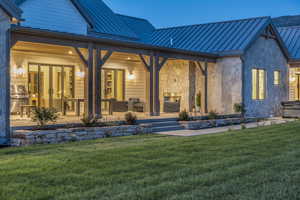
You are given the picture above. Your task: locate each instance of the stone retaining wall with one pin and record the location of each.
(204, 124)
(25, 137)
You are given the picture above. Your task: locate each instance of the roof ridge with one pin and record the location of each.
(288, 27)
(139, 18)
(219, 22)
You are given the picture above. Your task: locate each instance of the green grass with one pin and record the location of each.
(261, 163)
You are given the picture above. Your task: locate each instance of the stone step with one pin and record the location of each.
(164, 124)
(167, 128)
(146, 121)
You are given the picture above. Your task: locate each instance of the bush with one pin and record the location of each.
(44, 115)
(212, 115)
(198, 100)
(90, 121)
(239, 108)
(130, 118)
(184, 116)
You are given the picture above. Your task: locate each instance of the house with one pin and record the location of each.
(79, 56)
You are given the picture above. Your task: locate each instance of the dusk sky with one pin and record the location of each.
(164, 13)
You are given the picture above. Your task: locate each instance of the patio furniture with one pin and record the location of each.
(171, 104)
(28, 109)
(110, 102)
(119, 106)
(77, 105)
(135, 105)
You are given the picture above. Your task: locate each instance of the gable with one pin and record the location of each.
(55, 15)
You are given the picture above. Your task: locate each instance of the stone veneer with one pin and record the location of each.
(4, 78)
(178, 77)
(27, 137)
(266, 54)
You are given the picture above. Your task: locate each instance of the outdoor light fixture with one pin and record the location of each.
(19, 71)
(292, 79)
(70, 52)
(131, 76)
(80, 74)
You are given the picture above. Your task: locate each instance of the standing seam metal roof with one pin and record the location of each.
(219, 37)
(291, 38)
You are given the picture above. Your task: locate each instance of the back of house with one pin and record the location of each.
(81, 58)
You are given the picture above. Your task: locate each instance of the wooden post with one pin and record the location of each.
(97, 83)
(89, 82)
(156, 105)
(149, 67)
(99, 63)
(156, 69)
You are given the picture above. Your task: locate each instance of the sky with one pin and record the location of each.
(166, 13)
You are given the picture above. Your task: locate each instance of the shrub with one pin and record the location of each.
(130, 118)
(212, 115)
(90, 121)
(44, 115)
(198, 100)
(239, 108)
(184, 116)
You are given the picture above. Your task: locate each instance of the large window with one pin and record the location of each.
(258, 84)
(277, 77)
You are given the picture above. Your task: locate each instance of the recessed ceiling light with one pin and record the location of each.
(70, 52)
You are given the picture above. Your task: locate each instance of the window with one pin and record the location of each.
(258, 84)
(277, 77)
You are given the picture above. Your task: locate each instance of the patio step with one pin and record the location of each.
(167, 128)
(165, 125)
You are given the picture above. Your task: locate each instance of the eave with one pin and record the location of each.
(134, 46)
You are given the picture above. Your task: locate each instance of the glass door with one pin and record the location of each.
(44, 86)
(56, 88)
(33, 85)
(50, 85)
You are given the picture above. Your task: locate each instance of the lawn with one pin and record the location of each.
(262, 163)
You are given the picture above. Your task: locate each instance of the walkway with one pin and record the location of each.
(189, 133)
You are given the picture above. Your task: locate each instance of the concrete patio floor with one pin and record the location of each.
(189, 133)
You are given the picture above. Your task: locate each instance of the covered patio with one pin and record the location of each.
(79, 75)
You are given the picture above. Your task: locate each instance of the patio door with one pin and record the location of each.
(113, 84)
(49, 85)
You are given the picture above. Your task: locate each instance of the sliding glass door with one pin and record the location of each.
(49, 85)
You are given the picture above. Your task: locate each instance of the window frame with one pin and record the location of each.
(279, 78)
(258, 84)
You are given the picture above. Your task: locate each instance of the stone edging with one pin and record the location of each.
(26, 137)
(204, 124)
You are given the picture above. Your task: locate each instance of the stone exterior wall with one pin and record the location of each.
(4, 78)
(178, 77)
(266, 54)
(224, 85)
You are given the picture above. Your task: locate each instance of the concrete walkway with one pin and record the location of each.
(189, 133)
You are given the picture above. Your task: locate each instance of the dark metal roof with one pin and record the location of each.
(284, 21)
(101, 17)
(11, 8)
(141, 27)
(105, 20)
(291, 38)
(228, 37)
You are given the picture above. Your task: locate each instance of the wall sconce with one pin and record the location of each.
(19, 71)
(131, 76)
(292, 79)
(80, 74)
